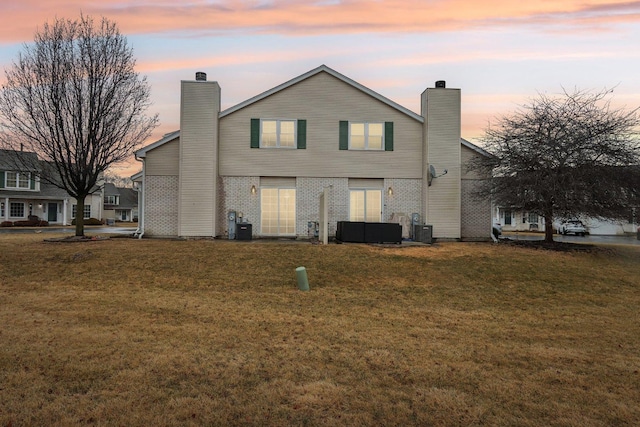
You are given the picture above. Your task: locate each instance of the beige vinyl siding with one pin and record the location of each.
(277, 181)
(366, 183)
(467, 155)
(323, 101)
(164, 160)
(198, 158)
(444, 152)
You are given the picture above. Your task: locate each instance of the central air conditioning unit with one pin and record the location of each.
(244, 231)
(423, 233)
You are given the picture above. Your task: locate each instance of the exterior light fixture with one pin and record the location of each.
(390, 191)
(253, 190)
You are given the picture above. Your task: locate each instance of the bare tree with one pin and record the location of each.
(118, 180)
(565, 156)
(74, 98)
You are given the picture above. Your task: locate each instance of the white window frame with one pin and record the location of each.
(74, 211)
(279, 133)
(367, 136)
(295, 211)
(365, 191)
(18, 177)
(111, 200)
(11, 206)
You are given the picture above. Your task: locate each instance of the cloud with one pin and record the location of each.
(296, 17)
(204, 60)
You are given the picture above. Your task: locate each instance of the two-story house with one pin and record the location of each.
(318, 140)
(23, 194)
(120, 203)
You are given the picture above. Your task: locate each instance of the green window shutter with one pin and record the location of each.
(302, 134)
(255, 133)
(1, 179)
(32, 182)
(388, 136)
(344, 135)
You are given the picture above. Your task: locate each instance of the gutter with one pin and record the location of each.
(141, 202)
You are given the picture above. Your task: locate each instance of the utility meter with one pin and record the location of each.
(415, 218)
(231, 216)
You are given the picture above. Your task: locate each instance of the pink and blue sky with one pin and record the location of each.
(499, 52)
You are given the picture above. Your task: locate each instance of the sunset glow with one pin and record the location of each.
(499, 52)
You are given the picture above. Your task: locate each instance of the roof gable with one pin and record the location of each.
(136, 177)
(128, 197)
(315, 71)
(166, 138)
(475, 148)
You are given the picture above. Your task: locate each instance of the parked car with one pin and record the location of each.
(573, 227)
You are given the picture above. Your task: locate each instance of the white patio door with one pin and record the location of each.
(278, 211)
(365, 205)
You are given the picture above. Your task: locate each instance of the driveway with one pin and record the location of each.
(592, 239)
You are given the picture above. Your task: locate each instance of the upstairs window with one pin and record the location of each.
(19, 180)
(111, 200)
(366, 136)
(278, 133)
(372, 136)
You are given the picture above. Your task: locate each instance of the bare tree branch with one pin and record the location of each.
(565, 156)
(73, 98)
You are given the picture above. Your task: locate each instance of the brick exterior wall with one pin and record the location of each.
(161, 210)
(405, 198)
(234, 193)
(476, 214)
(308, 198)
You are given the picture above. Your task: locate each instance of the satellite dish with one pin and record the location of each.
(432, 174)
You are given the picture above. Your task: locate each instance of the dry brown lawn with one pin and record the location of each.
(155, 332)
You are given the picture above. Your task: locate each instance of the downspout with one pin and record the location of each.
(141, 202)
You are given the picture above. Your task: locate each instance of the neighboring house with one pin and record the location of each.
(120, 204)
(23, 194)
(319, 140)
(517, 220)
